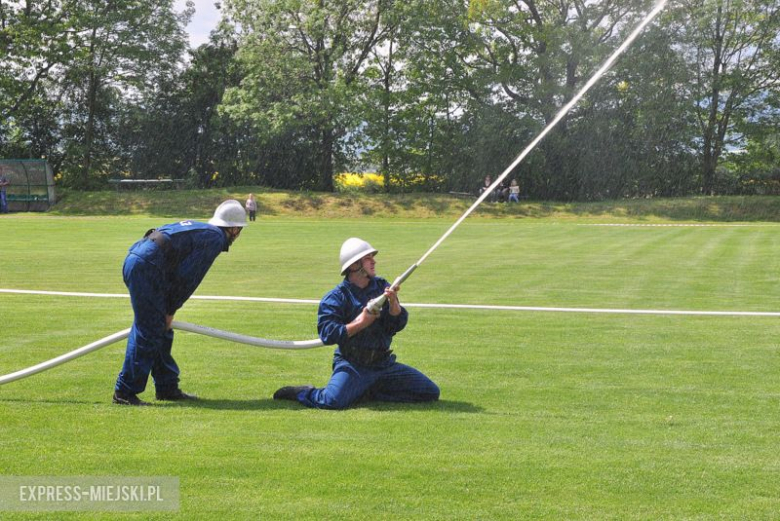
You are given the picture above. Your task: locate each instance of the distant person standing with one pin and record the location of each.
(514, 192)
(251, 207)
(4, 183)
(162, 271)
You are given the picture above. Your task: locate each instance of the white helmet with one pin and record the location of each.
(229, 214)
(352, 251)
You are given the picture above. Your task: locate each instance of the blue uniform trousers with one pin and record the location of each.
(149, 344)
(392, 382)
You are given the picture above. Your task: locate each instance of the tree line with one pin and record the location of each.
(431, 94)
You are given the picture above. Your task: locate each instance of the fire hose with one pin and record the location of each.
(183, 326)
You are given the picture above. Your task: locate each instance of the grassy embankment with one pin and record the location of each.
(187, 203)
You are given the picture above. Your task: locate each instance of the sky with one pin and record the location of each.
(203, 21)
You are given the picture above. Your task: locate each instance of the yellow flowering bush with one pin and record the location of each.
(358, 182)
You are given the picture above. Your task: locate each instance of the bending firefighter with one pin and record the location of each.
(162, 271)
(364, 366)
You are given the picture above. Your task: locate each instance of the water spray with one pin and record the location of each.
(375, 304)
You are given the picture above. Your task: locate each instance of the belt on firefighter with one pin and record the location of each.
(369, 357)
(160, 239)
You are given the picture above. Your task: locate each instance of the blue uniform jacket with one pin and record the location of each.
(341, 306)
(192, 248)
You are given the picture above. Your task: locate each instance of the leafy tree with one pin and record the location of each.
(635, 132)
(732, 48)
(34, 42)
(755, 168)
(532, 57)
(414, 105)
(33, 50)
(434, 93)
(304, 60)
(73, 64)
(121, 49)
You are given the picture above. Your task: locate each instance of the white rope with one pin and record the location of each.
(184, 326)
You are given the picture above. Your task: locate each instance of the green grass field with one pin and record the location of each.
(543, 415)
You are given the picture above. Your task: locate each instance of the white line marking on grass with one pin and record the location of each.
(601, 310)
(64, 293)
(125, 295)
(677, 225)
(431, 306)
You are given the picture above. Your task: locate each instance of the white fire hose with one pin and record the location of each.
(376, 304)
(184, 326)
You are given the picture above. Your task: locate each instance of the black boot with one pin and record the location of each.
(123, 398)
(176, 395)
(291, 392)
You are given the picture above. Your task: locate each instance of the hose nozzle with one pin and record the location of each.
(376, 304)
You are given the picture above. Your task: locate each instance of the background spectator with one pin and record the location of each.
(4, 183)
(514, 192)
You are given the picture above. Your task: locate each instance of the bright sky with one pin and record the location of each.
(203, 21)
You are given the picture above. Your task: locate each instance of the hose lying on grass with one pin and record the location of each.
(184, 326)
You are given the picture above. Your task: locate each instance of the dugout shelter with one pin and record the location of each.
(32, 184)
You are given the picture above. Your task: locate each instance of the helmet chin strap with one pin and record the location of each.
(231, 233)
(360, 270)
